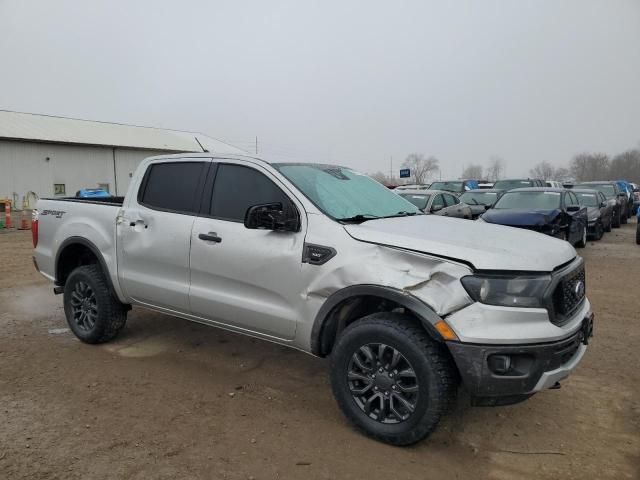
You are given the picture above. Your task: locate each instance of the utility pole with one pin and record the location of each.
(256, 144)
(391, 169)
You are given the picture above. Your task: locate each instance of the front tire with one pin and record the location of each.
(93, 313)
(638, 232)
(599, 232)
(616, 219)
(390, 379)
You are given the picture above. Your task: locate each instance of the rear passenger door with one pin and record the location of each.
(154, 233)
(248, 279)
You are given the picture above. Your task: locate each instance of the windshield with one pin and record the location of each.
(448, 186)
(587, 199)
(419, 201)
(606, 188)
(529, 201)
(511, 184)
(342, 193)
(479, 198)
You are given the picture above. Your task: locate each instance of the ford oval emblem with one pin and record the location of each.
(578, 289)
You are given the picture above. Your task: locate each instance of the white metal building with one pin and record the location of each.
(58, 156)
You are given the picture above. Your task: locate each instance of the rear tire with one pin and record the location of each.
(93, 313)
(608, 227)
(638, 233)
(392, 380)
(616, 219)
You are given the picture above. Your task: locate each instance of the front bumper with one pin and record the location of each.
(532, 367)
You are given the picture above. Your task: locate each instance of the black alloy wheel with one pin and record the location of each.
(93, 312)
(84, 306)
(383, 383)
(391, 379)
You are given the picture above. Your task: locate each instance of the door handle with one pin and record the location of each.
(137, 222)
(210, 237)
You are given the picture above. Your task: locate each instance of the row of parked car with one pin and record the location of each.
(574, 212)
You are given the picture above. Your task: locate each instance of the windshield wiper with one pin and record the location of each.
(361, 217)
(404, 213)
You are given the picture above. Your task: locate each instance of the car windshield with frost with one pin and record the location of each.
(587, 199)
(344, 194)
(529, 201)
(479, 198)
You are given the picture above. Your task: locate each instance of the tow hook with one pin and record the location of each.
(556, 386)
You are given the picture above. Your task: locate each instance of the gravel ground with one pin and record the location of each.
(173, 399)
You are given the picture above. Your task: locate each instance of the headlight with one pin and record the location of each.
(521, 291)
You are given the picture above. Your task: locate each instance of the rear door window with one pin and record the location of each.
(237, 188)
(450, 200)
(437, 202)
(173, 187)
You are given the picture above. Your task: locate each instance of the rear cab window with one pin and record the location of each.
(173, 186)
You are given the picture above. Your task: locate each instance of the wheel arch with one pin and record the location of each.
(348, 304)
(75, 252)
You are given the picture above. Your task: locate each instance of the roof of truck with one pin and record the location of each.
(55, 129)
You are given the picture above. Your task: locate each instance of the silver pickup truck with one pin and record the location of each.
(409, 307)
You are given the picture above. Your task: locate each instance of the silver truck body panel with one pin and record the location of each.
(256, 282)
(495, 248)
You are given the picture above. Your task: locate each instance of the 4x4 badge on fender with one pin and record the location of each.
(317, 254)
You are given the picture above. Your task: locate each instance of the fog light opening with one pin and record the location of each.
(499, 364)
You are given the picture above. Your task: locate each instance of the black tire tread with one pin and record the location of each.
(113, 314)
(443, 399)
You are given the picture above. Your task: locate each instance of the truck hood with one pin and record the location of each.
(485, 246)
(517, 217)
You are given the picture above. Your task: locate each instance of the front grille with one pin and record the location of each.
(569, 294)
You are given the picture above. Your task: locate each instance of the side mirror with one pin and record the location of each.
(271, 216)
(436, 208)
(573, 208)
(487, 207)
(603, 204)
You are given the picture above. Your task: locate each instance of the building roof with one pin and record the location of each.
(52, 129)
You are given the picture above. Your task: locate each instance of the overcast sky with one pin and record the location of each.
(348, 82)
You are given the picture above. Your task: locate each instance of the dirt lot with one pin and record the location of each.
(173, 399)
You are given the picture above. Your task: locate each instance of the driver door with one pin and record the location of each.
(245, 278)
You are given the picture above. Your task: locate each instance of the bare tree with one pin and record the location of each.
(495, 168)
(590, 166)
(421, 168)
(544, 171)
(382, 178)
(473, 172)
(562, 174)
(626, 165)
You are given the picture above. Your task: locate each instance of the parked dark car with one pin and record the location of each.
(480, 200)
(628, 189)
(638, 226)
(510, 184)
(437, 202)
(455, 186)
(552, 211)
(599, 212)
(612, 191)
